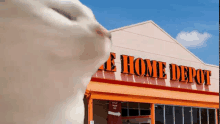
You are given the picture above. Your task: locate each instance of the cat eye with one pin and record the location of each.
(66, 14)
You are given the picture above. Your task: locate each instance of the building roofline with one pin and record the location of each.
(150, 21)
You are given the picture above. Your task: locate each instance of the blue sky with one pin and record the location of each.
(195, 23)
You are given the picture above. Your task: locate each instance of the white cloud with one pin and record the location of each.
(193, 39)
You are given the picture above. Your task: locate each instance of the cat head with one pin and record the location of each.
(68, 29)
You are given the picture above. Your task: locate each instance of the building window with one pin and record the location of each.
(124, 109)
(218, 115)
(196, 118)
(204, 116)
(135, 109)
(211, 116)
(169, 114)
(124, 112)
(133, 112)
(187, 115)
(159, 114)
(178, 115)
(144, 109)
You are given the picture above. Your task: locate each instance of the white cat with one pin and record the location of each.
(49, 49)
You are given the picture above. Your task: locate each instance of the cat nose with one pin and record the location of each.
(103, 32)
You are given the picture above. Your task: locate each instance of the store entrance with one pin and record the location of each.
(136, 113)
(119, 112)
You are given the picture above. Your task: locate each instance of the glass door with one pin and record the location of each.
(168, 114)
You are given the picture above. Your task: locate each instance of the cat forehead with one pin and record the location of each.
(77, 2)
(75, 5)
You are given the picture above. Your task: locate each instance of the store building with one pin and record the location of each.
(150, 78)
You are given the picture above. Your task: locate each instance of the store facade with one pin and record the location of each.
(152, 79)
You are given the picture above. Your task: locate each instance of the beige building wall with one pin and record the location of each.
(148, 41)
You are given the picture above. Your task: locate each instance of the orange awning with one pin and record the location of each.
(107, 91)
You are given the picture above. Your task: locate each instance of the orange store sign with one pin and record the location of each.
(156, 69)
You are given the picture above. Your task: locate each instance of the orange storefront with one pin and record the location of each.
(152, 79)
